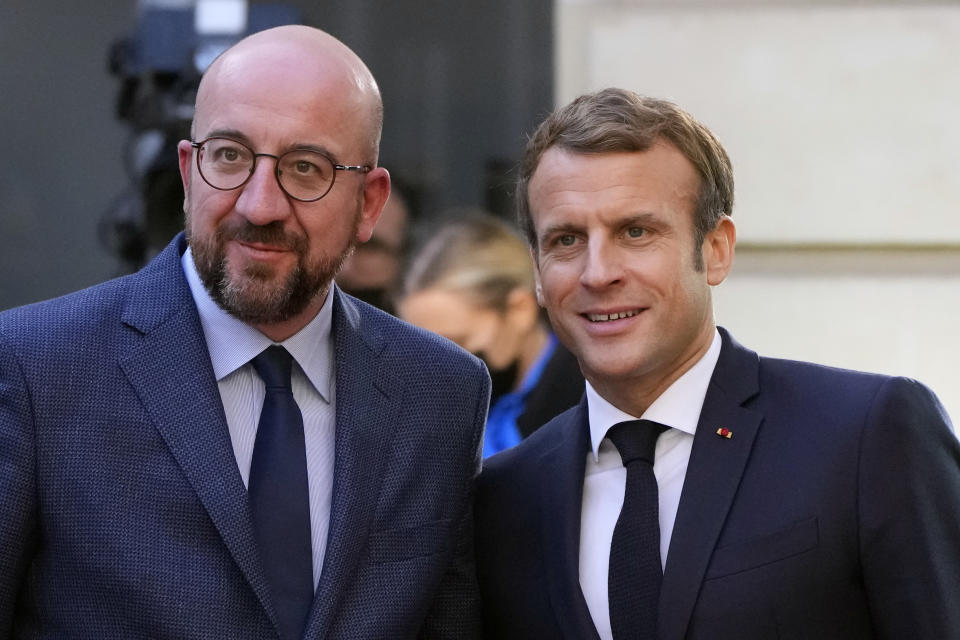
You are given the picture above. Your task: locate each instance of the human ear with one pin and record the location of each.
(536, 276)
(185, 160)
(718, 250)
(376, 190)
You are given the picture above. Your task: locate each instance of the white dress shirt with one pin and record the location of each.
(605, 478)
(232, 344)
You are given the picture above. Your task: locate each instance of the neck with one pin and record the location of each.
(635, 394)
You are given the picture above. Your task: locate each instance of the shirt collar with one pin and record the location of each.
(232, 343)
(678, 407)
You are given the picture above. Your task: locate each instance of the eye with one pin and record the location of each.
(303, 167)
(224, 152)
(567, 240)
(635, 232)
(302, 164)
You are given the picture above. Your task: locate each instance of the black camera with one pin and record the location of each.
(159, 68)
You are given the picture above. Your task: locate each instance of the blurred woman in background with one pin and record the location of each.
(472, 282)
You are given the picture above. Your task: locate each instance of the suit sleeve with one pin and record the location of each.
(909, 512)
(455, 612)
(17, 499)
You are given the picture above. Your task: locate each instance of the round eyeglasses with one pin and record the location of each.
(303, 174)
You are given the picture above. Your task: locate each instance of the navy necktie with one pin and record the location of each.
(279, 495)
(635, 573)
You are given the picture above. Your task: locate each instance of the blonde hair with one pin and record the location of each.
(476, 255)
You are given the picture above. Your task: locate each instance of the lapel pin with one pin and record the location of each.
(723, 432)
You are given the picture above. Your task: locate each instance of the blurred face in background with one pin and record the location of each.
(472, 281)
(501, 338)
(372, 270)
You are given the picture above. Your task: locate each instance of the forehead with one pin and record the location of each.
(568, 183)
(450, 313)
(276, 94)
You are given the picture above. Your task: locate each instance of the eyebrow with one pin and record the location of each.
(645, 217)
(565, 227)
(239, 136)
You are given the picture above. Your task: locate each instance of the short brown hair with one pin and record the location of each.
(614, 120)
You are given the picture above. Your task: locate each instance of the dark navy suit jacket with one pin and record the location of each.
(122, 511)
(833, 512)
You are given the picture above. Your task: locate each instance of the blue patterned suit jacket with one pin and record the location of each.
(122, 511)
(831, 513)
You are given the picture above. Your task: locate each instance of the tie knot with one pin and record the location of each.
(636, 439)
(273, 366)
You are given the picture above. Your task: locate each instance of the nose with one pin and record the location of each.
(261, 200)
(602, 266)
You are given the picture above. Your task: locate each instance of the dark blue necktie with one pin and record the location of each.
(279, 495)
(635, 573)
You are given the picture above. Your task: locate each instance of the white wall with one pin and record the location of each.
(841, 121)
(889, 311)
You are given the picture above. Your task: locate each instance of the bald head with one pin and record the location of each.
(295, 68)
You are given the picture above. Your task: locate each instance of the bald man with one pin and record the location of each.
(224, 445)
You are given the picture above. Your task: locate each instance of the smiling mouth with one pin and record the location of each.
(607, 317)
(263, 247)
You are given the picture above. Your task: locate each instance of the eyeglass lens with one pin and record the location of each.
(227, 164)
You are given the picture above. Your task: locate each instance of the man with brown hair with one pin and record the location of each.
(699, 491)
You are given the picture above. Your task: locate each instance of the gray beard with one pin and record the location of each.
(252, 295)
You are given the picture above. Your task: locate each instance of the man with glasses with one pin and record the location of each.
(224, 445)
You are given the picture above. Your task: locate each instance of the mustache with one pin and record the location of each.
(272, 233)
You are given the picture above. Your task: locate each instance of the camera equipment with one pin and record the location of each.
(159, 68)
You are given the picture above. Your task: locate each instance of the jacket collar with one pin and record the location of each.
(714, 472)
(169, 368)
(561, 470)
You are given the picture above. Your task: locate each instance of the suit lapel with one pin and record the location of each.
(561, 488)
(170, 371)
(368, 400)
(713, 475)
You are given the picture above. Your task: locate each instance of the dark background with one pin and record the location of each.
(463, 83)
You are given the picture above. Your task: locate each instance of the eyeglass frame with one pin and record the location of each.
(360, 168)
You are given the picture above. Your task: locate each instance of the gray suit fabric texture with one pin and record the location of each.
(122, 510)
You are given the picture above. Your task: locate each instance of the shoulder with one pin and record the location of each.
(889, 410)
(839, 387)
(156, 288)
(797, 397)
(813, 373)
(406, 348)
(89, 307)
(521, 459)
(61, 340)
(762, 380)
(399, 338)
(84, 327)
